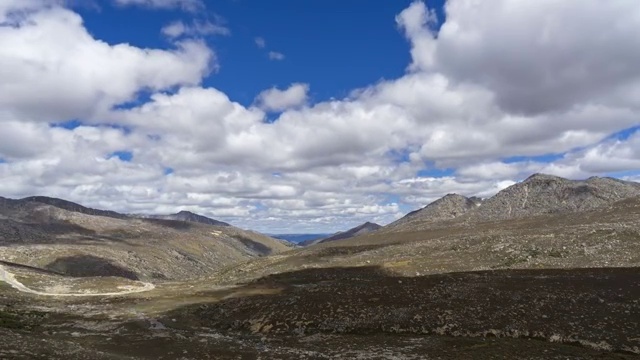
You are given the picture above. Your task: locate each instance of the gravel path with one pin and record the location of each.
(10, 279)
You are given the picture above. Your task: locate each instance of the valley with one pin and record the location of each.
(554, 276)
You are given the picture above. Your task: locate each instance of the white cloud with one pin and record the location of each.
(275, 99)
(274, 55)
(260, 42)
(51, 50)
(535, 57)
(472, 97)
(197, 28)
(187, 5)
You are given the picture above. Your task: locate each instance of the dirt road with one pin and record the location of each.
(10, 279)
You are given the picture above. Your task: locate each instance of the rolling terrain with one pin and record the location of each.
(78, 241)
(545, 269)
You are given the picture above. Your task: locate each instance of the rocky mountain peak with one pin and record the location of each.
(539, 177)
(447, 207)
(545, 194)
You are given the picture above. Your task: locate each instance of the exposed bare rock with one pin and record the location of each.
(545, 194)
(449, 207)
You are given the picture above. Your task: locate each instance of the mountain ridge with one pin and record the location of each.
(541, 194)
(538, 194)
(79, 241)
(188, 216)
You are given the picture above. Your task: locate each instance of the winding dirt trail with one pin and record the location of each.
(10, 279)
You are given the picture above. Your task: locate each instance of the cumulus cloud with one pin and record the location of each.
(535, 57)
(51, 50)
(275, 99)
(473, 100)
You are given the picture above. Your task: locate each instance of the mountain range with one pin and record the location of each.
(547, 259)
(543, 221)
(539, 194)
(52, 233)
(184, 244)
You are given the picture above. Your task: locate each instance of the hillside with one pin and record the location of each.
(545, 194)
(562, 224)
(79, 241)
(537, 195)
(359, 230)
(449, 207)
(188, 216)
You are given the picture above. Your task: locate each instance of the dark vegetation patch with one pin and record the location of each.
(346, 250)
(596, 308)
(174, 224)
(10, 321)
(20, 320)
(89, 266)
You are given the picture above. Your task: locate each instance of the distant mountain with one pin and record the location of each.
(78, 241)
(74, 207)
(188, 216)
(356, 231)
(299, 238)
(71, 206)
(546, 194)
(539, 194)
(448, 207)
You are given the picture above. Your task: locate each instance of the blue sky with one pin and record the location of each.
(335, 46)
(311, 116)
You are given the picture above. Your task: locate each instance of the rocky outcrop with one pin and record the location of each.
(449, 207)
(546, 194)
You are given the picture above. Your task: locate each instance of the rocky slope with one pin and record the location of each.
(606, 236)
(75, 240)
(359, 230)
(545, 194)
(538, 195)
(449, 207)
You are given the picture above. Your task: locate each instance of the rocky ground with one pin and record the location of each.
(605, 237)
(352, 313)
